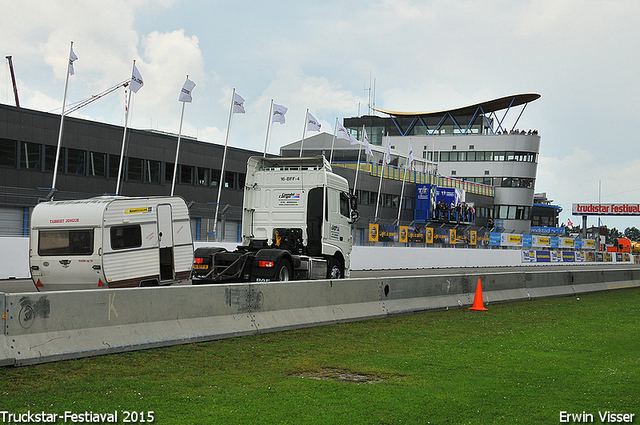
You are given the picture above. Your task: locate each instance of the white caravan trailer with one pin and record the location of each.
(110, 242)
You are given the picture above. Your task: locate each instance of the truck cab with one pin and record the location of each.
(297, 217)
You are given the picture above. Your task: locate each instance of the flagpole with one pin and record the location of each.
(355, 183)
(175, 164)
(124, 136)
(266, 141)
(304, 131)
(381, 175)
(404, 178)
(333, 141)
(64, 101)
(224, 157)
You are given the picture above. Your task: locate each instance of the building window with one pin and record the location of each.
(215, 178)
(8, 153)
(153, 171)
(203, 176)
(114, 166)
(168, 172)
(30, 154)
(186, 174)
(76, 162)
(97, 164)
(50, 158)
(230, 180)
(241, 180)
(135, 166)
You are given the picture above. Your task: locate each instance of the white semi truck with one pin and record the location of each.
(296, 225)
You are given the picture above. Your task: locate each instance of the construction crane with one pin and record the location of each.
(81, 104)
(13, 80)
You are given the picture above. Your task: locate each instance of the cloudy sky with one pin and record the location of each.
(581, 56)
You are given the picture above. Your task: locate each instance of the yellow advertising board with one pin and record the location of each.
(404, 231)
(373, 232)
(473, 237)
(428, 235)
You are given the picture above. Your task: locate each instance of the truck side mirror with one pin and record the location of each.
(353, 200)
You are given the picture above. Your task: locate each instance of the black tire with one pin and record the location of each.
(284, 271)
(335, 269)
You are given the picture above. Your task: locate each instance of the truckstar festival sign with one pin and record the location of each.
(606, 209)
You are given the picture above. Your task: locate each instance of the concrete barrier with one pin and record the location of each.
(44, 327)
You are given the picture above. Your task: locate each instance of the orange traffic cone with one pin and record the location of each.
(478, 304)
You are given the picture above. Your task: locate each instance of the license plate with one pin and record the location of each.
(200, 266)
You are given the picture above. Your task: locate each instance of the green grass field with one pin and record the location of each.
(520, 362)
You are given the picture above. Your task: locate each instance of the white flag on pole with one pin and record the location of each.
(278, 113)
(410, 155)
(312, 123)
(72, 59)
(387, 156)
(365, 140)
(185, 93)
(344, 134)
(136, 80)
(238, 104)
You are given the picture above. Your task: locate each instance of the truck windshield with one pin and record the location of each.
(65, 242)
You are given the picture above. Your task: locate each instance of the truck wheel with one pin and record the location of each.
(284, 271)
(335, 269)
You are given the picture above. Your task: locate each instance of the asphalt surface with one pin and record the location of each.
(26, 285)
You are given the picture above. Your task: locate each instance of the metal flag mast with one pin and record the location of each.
(224, 158)
(304, 130)
(124, 136)
(72, 57)
(387, 161)
(404, 178)
(266, 140)
(355, 183)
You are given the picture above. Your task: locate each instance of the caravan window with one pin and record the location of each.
(65, 242)
(129, 236)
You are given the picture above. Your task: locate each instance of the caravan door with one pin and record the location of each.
(165, 242)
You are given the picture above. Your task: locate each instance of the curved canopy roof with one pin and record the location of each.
(486, 107)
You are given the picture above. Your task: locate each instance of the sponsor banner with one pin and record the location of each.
(428, 237)
(473, 237)
(547, 230)
(373, 232)
(508, 239)
(527, 240)
(425, 202)
(606, 209)
(404, 233)
(141, 210)
(556, 256)
(567, 242)
(555, 242)
(568, 257)
(495, 239)
(528, 256)
(543, 256)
